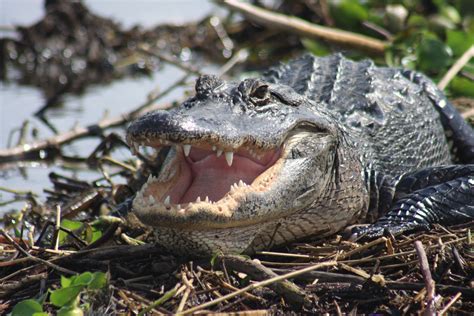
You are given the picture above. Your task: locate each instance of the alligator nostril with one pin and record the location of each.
(206, 84)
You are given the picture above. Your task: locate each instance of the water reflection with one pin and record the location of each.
(19, 103)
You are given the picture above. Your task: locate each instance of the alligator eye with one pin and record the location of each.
(260, 95)
(260, 92)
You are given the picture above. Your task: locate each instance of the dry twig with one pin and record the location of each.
(258, 285)
(458, 65)
(36, 259)
(450, 303)
(304, 28)
(429, 282)
(288, 290)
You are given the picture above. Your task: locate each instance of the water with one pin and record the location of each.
(18, 103)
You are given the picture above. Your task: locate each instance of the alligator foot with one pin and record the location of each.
(432, 195)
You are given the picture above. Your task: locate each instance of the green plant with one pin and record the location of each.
(67, 298)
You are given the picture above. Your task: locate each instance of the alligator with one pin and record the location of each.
(307, 149)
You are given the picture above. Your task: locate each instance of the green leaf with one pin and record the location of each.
(65, 282)
(70, 311)
(409, 62)
(451, 13)
(417, 21)
(99, 281)
(27, 308)
(433, 55)
(315, 47)
(459, 41)
(82, 279)
(468, 23)
(168, 295)
(439, 24)
(395, 17)
(68, 224)
(96, 234)
(42, 298)
(462, 87)
(348, 13)
(71, 225)
(92, 233)
(65, 296)
(439, 3)
(215, 256)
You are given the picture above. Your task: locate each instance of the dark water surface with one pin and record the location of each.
(18, 103)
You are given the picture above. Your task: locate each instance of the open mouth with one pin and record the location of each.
(203, 176)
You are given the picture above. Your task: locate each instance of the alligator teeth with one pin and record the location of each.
(163, 142)
(198, 199)
(167, 201)
(214, 147)
(186, 149)
(229, 157)
(139, 196)
(219, 152)
(252, 153)
(242, 183)
(206, 199)
(234, 187)
(151, 199)
(178, 206)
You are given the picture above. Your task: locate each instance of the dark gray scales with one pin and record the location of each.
(391, 117)
(388, 145)
(402, 124)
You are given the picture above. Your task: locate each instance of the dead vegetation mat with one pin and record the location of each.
(404, 274)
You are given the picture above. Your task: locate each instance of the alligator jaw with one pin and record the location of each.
(202, 186)
(248, 196)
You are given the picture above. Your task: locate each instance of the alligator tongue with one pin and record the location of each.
(213, 177)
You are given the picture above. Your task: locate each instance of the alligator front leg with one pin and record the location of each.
(433, 195)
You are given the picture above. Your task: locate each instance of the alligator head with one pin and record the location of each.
(242, 155)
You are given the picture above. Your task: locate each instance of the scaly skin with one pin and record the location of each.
(324, 127)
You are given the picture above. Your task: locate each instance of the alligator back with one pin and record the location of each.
(388, 117)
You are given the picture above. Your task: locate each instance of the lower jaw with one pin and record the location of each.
(234, 240)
